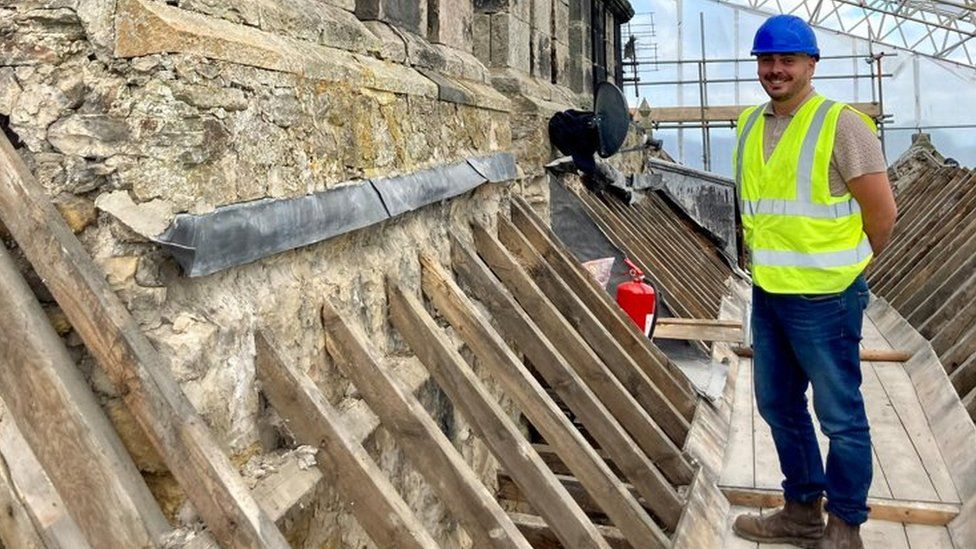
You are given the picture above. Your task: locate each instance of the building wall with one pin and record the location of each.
(189, 105)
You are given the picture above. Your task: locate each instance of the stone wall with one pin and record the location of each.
(187, 105)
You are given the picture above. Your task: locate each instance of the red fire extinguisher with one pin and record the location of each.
(638, 299)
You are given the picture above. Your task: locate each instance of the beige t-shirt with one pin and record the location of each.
(857, 150)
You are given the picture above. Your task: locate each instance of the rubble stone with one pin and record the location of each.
(77, 211)
(9, 90)
(89, 135)
(119, 271)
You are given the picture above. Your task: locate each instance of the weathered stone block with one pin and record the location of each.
(541, 55)
(579, 40)
(407, 14)
(392, 45)
(146, 27)
(541, 19)
(519, 8)
(560, 21)
(348, 5)
(481, 37)
(510, 39)
(579, 10)
(449, 22)
(560, 67)
(574, 73)
(309, 20)
(421, 53)
(89, 135)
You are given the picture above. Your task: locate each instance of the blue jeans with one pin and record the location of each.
(814, 339)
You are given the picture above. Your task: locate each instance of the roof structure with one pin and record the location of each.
(928, 272)
(940, 29)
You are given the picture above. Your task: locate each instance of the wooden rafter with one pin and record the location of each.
(604, 426)
(419, 437)
(114, 338)
(373, 500)
(520, 385)
(495, 428)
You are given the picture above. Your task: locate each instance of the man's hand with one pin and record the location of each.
(873, 193)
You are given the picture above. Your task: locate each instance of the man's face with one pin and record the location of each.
(785, 75)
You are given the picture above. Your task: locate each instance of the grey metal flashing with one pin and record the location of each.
(707, 198)
(242, 233)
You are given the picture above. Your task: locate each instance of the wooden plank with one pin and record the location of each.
(343, 461)
(521, 386)
(456, 378)
(65, 427)
(766, 460)
(880, 487)
(418, 435)
(739, 468)
(882, 533)
(541, 537)
(701, 322)
(16, 527)
(650, 437)
(33, 489)
(893, 510)
(922, 536)
(901, 393)
(597, 336)
(697, 333)
(720, 113)
(867, 355)
(963, 528)
(903, 467)
(705, 512)
(952, 427)
(516, 325)
(115, 339)
(290, 486)
(649, 358)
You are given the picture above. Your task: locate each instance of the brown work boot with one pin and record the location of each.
(797, 523)
(840, 535)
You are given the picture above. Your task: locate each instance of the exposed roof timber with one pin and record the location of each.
(942, 30)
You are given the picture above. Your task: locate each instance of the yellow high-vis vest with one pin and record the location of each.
(802, 239)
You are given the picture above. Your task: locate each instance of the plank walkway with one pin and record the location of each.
(908, 467)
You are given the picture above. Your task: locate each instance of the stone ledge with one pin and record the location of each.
(512, 82)
(467, 92)
(144, 28)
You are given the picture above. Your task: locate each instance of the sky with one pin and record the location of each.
(946, 92)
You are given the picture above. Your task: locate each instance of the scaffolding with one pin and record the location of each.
(705, 116)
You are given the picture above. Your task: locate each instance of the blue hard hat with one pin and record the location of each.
(785, 34)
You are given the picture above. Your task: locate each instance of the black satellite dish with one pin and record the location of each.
(602, 131)
(611, 117)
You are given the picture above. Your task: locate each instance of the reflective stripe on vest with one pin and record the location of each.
(794, 241)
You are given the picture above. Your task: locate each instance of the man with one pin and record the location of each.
(816, 207)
